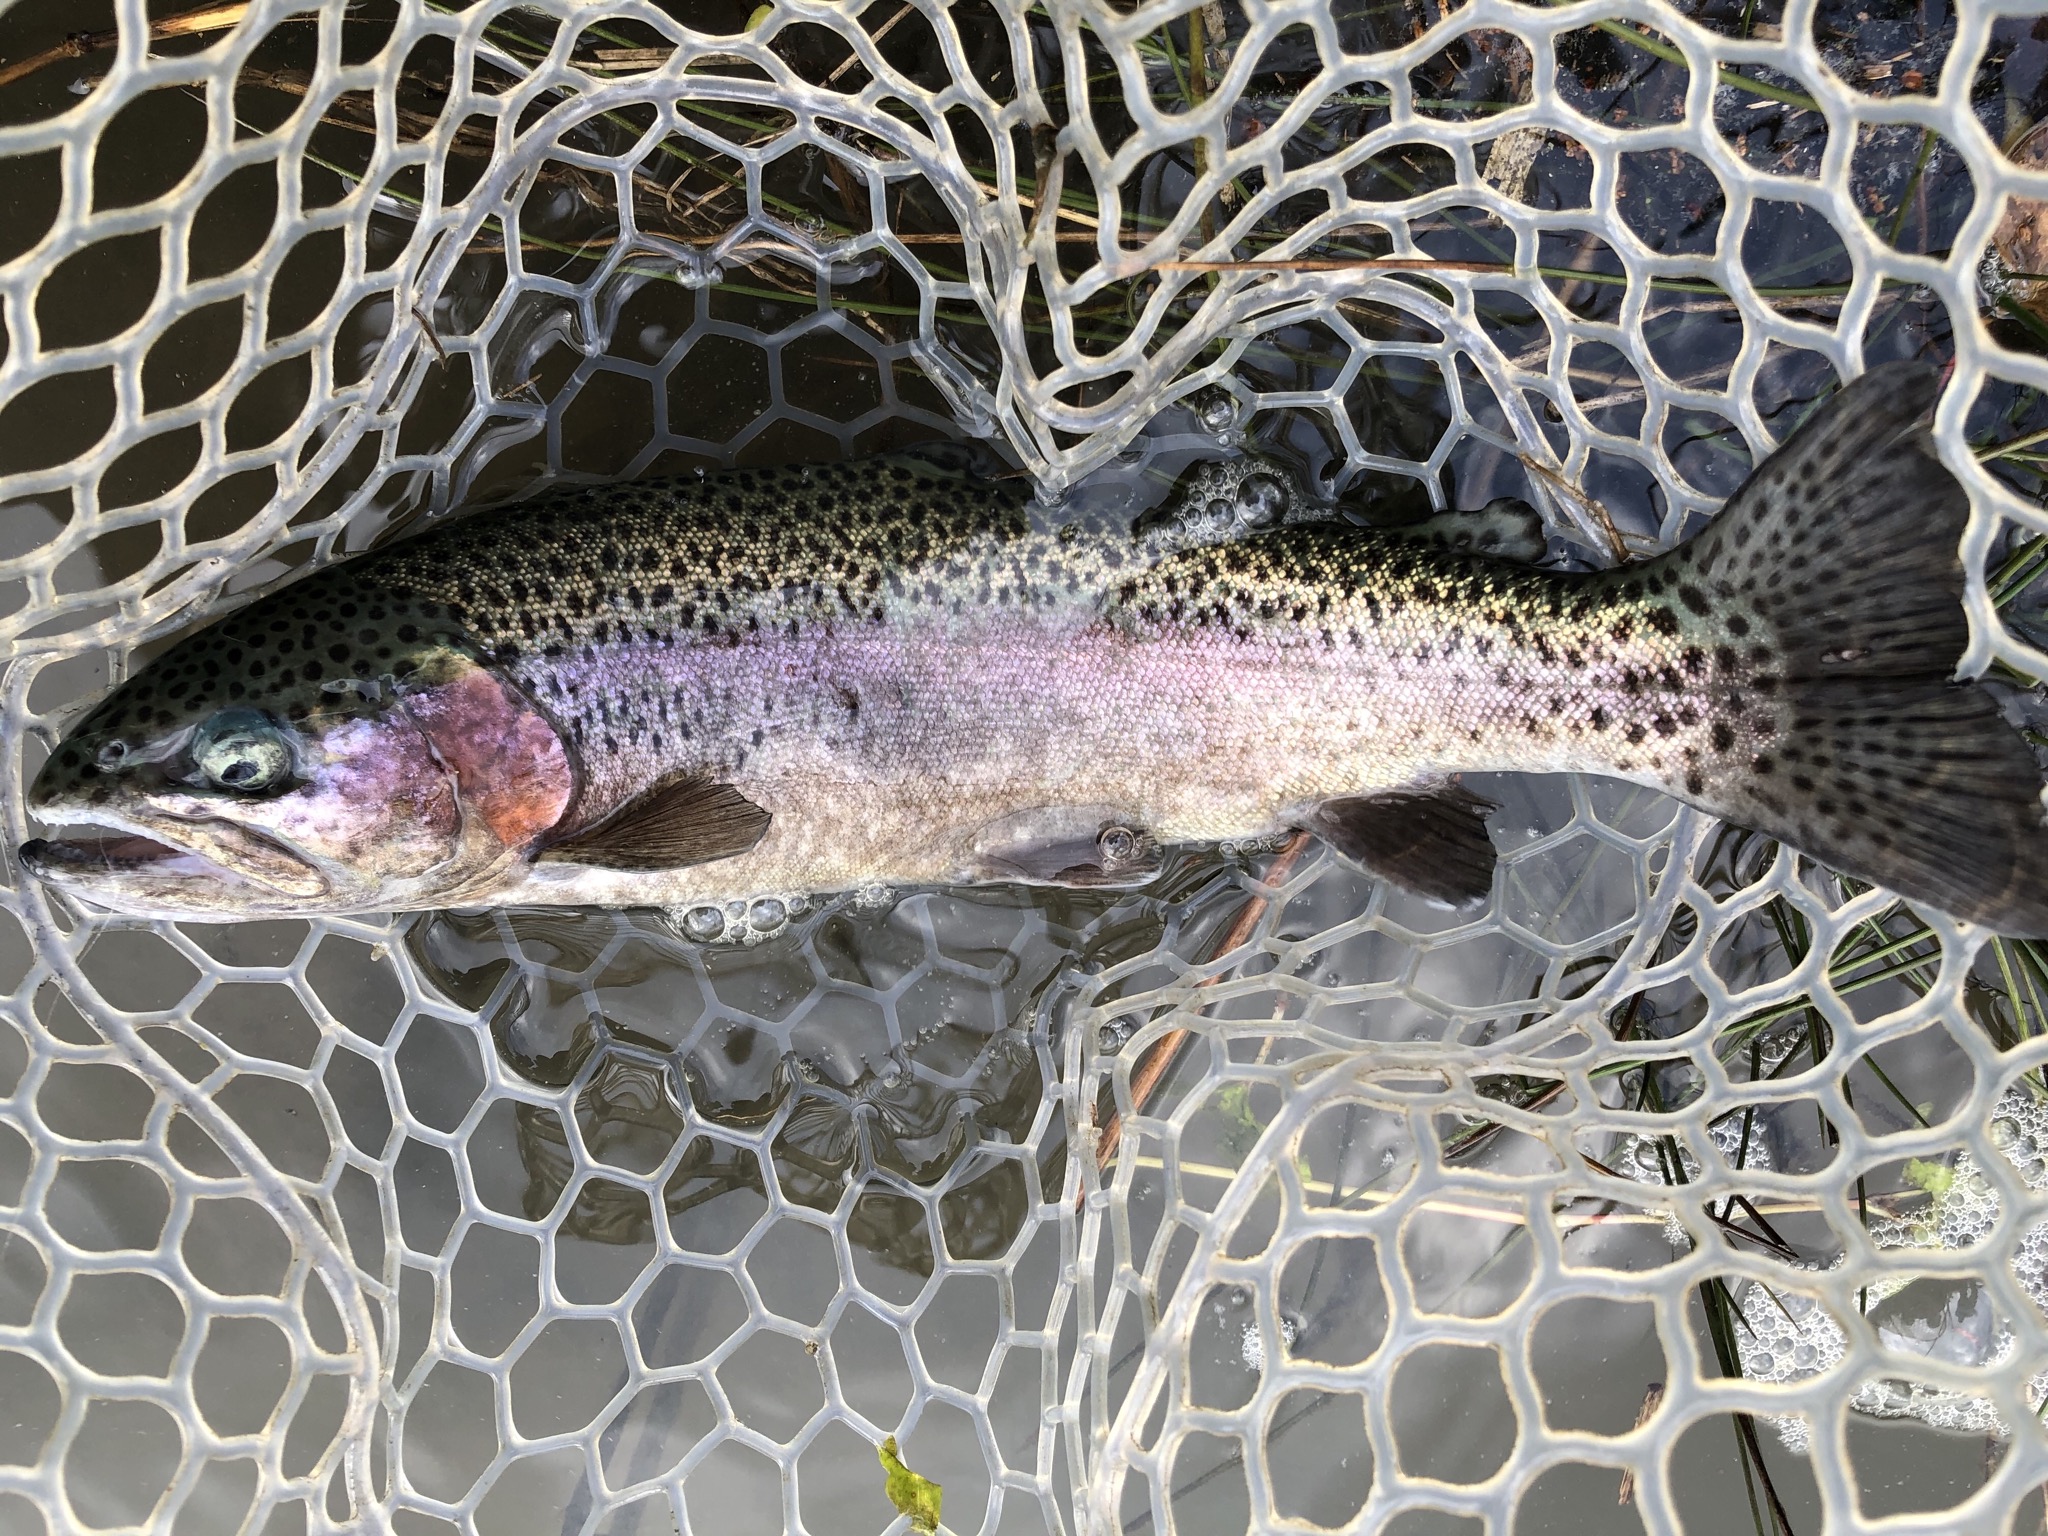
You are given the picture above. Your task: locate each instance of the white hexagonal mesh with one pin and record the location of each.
(1685, 1190)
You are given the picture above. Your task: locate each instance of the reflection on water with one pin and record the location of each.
(884, 1051)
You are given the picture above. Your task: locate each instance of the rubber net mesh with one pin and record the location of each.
(1687, 1188)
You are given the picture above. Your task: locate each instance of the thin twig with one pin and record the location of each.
(1597, 513)
(1166, 1051)
(880, 32)
(427, 326)
(211, 18)
(1339, 264)
(1471, 1139)
(1896, 1204)
(1653, 1395)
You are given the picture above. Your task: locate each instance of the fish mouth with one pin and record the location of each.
(207, 864)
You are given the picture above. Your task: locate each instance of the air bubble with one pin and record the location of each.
(704, 923)
(1253, 1344)
(767, 913)
(1261, 500)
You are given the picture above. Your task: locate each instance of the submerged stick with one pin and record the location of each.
(1168, 1049)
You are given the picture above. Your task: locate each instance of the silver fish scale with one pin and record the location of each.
(645, 619)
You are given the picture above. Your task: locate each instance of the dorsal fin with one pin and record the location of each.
(684, 820)
(1506, 528)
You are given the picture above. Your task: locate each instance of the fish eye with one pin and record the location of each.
(242, 750)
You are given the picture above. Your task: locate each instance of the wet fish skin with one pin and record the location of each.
(902, 666)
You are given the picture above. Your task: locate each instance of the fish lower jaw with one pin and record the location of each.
(149, 871)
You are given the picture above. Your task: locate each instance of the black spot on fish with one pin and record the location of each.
(1723, 736)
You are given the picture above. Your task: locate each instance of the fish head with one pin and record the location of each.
(323, 751)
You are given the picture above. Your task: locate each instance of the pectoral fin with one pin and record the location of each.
(680, 821)
(1431, 842)
(1082, 846)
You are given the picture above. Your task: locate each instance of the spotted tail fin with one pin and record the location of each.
(1842, 550)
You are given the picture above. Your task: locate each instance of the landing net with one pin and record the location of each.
(1688, 1188)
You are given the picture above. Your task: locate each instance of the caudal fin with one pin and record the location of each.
(1843, 549)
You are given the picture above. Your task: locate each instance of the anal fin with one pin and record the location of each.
(678, 822)
(1432, 842)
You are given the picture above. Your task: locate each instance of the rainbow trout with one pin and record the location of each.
(891, 672)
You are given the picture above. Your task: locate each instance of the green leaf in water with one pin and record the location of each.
(1934, 1178)
(1241, 1127)
(917, 1497)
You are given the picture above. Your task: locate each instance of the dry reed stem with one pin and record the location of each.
(210, 18)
